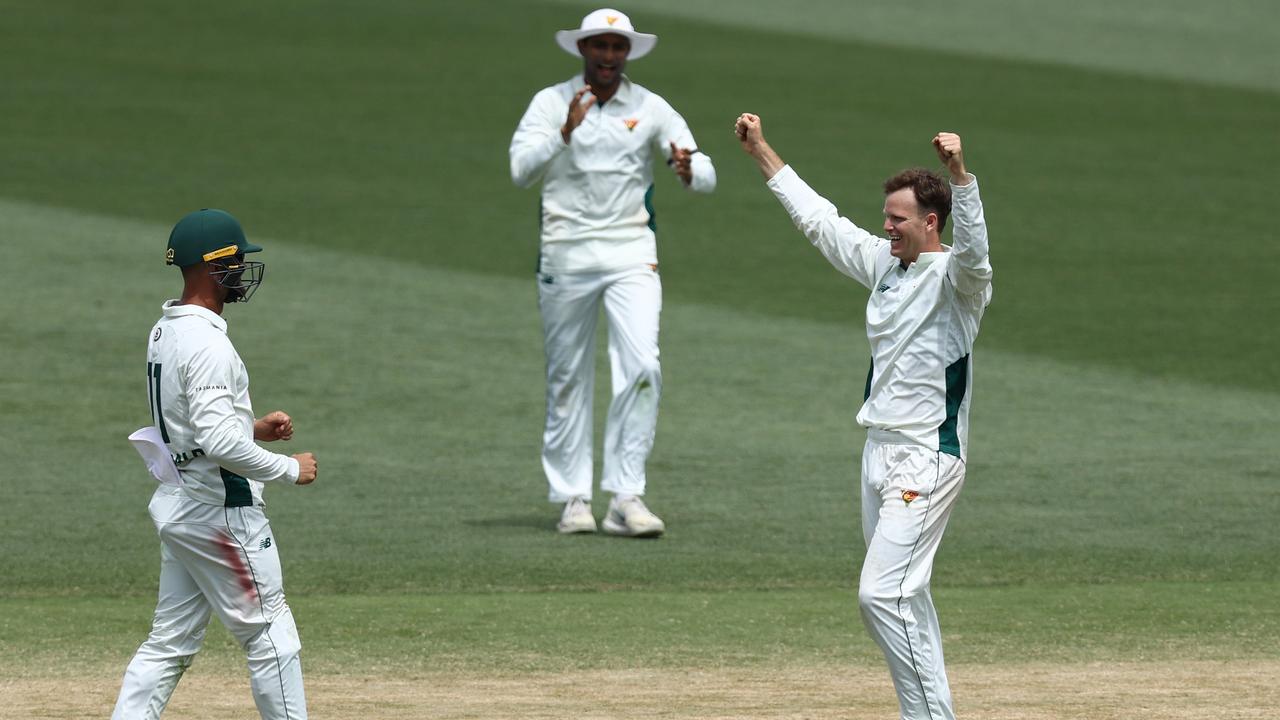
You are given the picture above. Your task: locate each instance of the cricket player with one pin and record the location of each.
(923, 314)
(592, 141)
(217, 551)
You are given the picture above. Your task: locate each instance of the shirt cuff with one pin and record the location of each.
(967, 187)
(781, 178)
(292, 472)
(704, 174)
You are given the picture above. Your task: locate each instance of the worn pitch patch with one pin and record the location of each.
(1241, 690)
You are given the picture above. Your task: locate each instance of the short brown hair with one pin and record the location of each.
(933, 194)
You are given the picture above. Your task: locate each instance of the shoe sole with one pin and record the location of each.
(623, 531)
(575, 529)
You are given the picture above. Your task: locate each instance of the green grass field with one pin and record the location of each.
(1123, 482)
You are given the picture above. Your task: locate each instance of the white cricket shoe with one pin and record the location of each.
(631, 518)
(576, 518)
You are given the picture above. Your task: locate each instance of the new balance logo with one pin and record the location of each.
(266, 543)
(882, 287)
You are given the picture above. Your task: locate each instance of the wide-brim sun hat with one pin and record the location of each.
(607, 21)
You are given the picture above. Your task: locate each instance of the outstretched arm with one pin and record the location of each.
(971, 269)
(850, 249)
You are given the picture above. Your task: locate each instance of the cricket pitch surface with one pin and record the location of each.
(1187, 690)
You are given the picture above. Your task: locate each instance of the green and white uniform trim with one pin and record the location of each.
(922, 320)
(597, 191)
(198, 390)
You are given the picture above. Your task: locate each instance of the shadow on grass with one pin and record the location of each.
(543, 523)
(538, 521)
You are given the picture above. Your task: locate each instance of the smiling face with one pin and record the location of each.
(910, 230)
(916, 205)
(604, 57)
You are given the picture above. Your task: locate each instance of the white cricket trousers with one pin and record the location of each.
(570, 304)
(223, 560)
(908, 492)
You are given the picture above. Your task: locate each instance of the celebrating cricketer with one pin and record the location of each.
(923, 313)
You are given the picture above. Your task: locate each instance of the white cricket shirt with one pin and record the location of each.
(597, 191)
(921, 321)
(198, 389)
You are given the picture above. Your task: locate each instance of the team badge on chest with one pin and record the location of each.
(631, 123)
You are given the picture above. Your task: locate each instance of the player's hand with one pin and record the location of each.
(306, 468)
(682, 163)
(750, 132)
(951, 154)
(273, 426)
(578, 107)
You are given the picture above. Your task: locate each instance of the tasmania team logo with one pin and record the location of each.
(909, 495)
(611, 19)
(631, 123)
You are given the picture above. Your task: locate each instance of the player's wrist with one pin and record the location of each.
(294, 471)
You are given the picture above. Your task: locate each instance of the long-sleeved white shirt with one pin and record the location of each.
(198, 389)
(597, 191)
(921, 321)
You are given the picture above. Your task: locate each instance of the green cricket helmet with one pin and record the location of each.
(215, 237)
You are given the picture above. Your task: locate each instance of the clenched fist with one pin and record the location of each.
(950, 153)
(273, 426)
(751, 134)
(749, 131)
(306, 468)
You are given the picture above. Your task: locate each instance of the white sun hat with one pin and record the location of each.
(603, 22)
